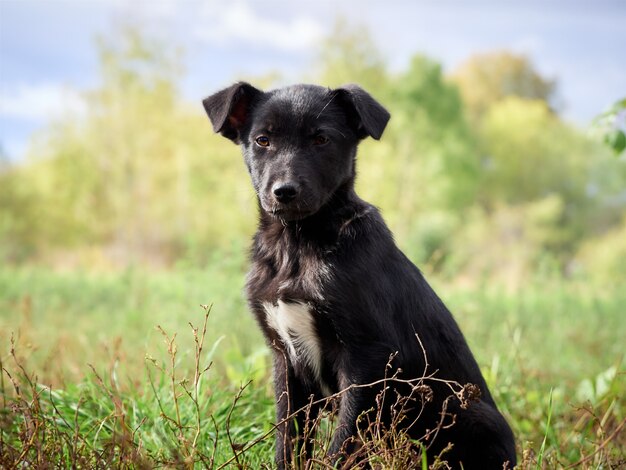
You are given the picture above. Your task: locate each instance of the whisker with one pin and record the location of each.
(326, 105)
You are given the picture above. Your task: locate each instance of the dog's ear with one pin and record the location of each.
(371, 117)
(230, 108)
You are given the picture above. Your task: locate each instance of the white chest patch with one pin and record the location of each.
(296, 327)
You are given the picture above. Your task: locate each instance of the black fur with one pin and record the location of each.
(320, 244)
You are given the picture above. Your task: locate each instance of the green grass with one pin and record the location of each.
(66, 320)
(93, 382)
(170, 417)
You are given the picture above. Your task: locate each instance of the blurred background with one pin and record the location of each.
(488, 167)
(501, 167)
(502, 174)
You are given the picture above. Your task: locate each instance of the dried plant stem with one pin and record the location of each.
(602, 445)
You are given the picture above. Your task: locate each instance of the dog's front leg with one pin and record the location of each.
(360, 384)
(292, 400)
(353, 403)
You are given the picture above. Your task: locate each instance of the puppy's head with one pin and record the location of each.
(299, 142)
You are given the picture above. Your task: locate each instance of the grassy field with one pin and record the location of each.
(127, 370)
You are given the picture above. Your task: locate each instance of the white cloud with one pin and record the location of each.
(237, 22)
(39, 102)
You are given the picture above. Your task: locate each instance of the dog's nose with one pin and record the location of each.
(284, 192)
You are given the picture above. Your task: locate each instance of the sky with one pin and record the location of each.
(48, 54)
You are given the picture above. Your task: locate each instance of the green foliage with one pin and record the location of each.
(485, 79)
(611, 126)
(348, 55)
(139, 175)
(139, 178)
(431, 129)
(604, 257)
(19, 225)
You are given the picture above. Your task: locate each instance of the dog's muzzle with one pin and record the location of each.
(288, 201)
(284, 193)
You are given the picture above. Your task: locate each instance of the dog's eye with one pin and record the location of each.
(320, 140)
(262, 141)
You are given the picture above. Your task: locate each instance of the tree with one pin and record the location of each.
(611, 127)
(430, 121)
(136, 176)
(348, 55)
(485, 79)
(530, 153)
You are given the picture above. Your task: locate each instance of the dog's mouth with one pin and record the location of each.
(289, 214)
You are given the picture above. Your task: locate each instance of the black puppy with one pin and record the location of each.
(332, 293)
